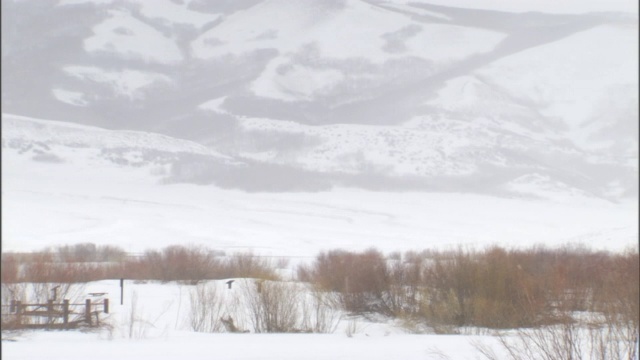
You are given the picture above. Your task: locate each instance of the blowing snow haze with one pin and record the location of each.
(284, 95)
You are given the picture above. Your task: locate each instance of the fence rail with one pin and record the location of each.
(64, 315)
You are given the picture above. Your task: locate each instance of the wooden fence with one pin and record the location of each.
(52, 315)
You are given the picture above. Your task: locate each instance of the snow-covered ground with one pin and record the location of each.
(76, 346)
(160, 329)
(62, 191)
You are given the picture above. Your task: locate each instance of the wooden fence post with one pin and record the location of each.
(106, 306)
(87, 311)
(12, 307)
(65, 312)
(19, 310)
(50, 317)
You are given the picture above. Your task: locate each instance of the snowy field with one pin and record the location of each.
(79, 201)
(161, 331)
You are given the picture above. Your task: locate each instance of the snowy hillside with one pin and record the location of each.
(469, 109)
(425, 95)
(54, 142)
(119, 188)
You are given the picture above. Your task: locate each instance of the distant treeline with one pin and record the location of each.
(493, 287)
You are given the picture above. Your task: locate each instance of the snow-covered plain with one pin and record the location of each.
(81, 197)
(161, 330)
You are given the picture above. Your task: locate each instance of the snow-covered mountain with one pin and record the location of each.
(535, 99)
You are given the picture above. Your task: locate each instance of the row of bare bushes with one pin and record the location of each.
(491, 288)
(87, 262)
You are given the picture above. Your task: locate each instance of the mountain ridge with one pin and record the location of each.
(410, 95)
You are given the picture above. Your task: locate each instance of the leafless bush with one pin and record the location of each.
(89, 262)
(565, 341)
(274, 307)
(175, 263)
(351, 328)
(609, 330)
(320, 311)
(59, 266)
(89, 252)
(9, 268)
(361, 279)
(494, 288)
(207, 310)
(248, 265)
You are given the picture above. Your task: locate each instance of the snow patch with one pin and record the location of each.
(214, 105)
(570, 91)
(128, 37)
(340, 30)
(173, 12)
(70, 97)
(542, 186)
(52, 132)
(128, 83)
(294, 82)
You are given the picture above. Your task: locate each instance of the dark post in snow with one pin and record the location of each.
(121, 291)
(50, 307)
(65, 312)
(229, 283)
(50, 316)
(87, 311)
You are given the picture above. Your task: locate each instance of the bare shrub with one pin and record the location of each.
(361, 279)
(175, 263)
(617, 295)
(46, 266)
(320, 311)
(89, 252)
(9, 268)
(507, 295)
(274, 307)
(207, 310)
(89, 262)
(494, 288)
(351, 328)
(609, 330)
(451, 284)
(248, 265)
(564, 341)
(406, 284)
(180, 263)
